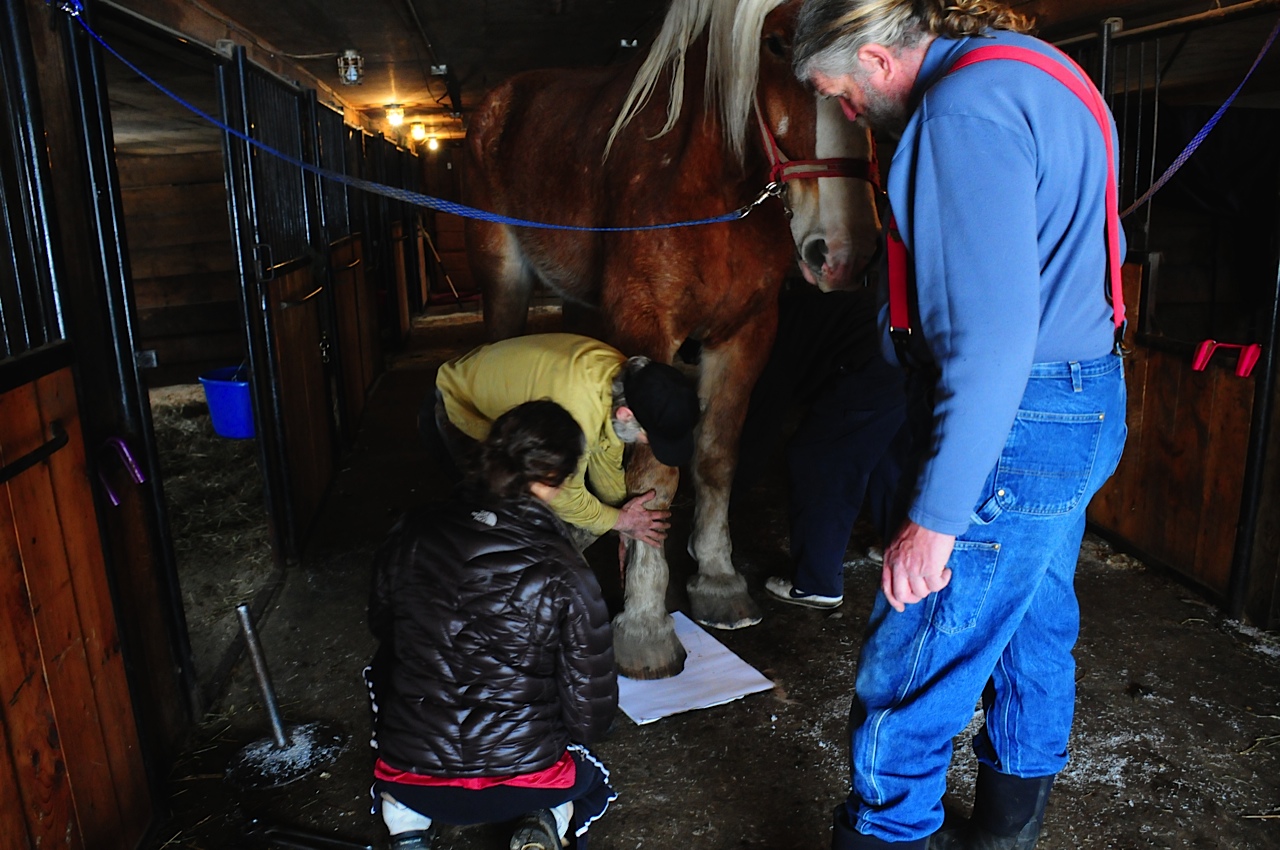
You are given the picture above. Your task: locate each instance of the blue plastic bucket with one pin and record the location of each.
(227, 391)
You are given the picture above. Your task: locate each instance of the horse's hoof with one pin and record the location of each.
(743, 623)
(721, 602)
(647, 648)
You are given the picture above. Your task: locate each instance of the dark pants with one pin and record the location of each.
(849, 448)
(591, 795)
(451, 449)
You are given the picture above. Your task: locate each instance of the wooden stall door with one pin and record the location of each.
(357, 338)
(1175, 498)
(423, 282)
(398, 245)
(71, 772)
(304, 396)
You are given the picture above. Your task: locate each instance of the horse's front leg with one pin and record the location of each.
(645, 645)
(718, 593)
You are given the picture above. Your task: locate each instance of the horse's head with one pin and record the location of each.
(809, 144)
(834, 222)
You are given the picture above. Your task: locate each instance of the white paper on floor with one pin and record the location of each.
(712, 675)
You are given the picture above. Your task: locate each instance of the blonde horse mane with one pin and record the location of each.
(733, 61)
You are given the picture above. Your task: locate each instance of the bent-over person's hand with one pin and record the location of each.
(639, 523)
(915, 565)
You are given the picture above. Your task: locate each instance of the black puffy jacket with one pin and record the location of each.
(496, 650)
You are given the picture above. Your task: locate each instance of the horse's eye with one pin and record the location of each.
(776, 45)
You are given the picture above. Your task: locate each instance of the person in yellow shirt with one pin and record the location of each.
(616, 401)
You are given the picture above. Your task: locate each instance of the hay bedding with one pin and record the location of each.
(217, 517)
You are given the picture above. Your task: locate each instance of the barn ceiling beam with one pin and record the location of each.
(1223, 15)
(1057, 19)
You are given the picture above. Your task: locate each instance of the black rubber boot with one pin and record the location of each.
(952, 836)
(1007, 811)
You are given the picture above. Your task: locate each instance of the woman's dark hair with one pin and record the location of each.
(537, 441)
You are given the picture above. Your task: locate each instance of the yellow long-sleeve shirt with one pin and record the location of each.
(575, 372)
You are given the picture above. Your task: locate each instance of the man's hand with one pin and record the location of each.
(639, 523)
(915, 565)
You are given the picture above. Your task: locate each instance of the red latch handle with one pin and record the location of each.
(1249, 354)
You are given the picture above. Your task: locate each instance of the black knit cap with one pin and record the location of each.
(666, 406)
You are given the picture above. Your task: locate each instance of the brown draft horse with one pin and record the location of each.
(681, 137)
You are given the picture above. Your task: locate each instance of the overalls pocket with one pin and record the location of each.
(1047, 462)
(959, 603)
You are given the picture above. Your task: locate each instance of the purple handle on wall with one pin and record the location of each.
(130, 465)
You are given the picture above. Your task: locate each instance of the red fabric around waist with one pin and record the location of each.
(562, 774)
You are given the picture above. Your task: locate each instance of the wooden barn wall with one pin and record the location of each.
(183, 263)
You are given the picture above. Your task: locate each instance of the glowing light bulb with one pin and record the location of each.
(433, 144)
(395, 114)
(418, 132)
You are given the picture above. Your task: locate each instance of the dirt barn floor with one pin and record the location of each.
(1176, 743)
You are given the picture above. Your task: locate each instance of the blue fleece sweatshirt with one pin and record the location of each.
(997, 187)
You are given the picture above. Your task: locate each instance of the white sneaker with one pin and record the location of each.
(784, 590)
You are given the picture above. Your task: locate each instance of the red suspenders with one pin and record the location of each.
(896, 251)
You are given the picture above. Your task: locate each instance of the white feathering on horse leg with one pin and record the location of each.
(717, 593)
(645, 645)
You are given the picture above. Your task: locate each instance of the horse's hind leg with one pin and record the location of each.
(718, 593)
(645, 645)
(506, 280)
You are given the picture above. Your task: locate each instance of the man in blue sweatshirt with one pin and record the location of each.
(999, 189)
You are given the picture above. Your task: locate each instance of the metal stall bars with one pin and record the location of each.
(355, 322)
(272, 220)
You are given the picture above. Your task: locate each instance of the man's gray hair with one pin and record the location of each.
(829, 33)
(631, 367)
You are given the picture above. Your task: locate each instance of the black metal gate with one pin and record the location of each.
(275, 217)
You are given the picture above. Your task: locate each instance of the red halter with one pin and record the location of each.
(783, 169)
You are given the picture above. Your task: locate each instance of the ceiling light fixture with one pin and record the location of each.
(395, 114)
(350, 67)
(418, 131)
(433, 144)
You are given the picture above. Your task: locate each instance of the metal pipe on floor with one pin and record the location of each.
(264, 677)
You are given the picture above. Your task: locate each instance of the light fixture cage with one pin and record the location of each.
(418, 131)
(350, 67)
(394, 114)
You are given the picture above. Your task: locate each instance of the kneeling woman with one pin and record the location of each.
(495, 665)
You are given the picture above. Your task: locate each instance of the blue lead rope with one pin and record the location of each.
(1199, 137)
(75, 7)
